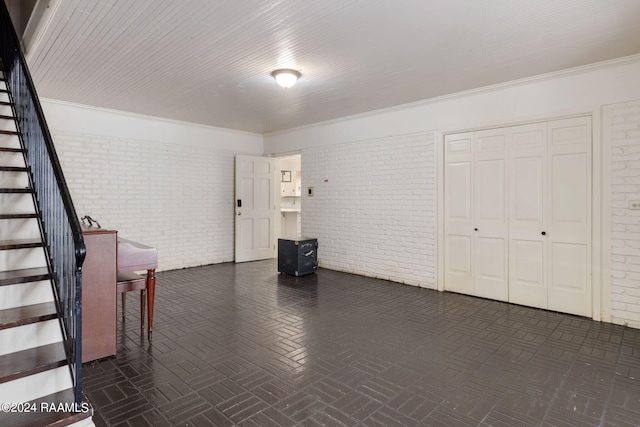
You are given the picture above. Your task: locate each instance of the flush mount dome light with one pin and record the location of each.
(285, 77)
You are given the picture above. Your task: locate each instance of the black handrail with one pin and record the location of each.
(59, 223)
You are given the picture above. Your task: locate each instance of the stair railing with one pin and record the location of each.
(60, 227)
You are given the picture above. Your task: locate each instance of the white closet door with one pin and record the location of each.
(527, 206)
(459, 213)
(569, 224)
(518, 214)
(490, 225)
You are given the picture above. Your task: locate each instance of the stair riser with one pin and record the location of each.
(30, 293)
(7, 125)
(16, 203)
(17, 259)
(35, 386)
(11, 159)
(9, 141)
(13, 179)
(6, 110)
(19, 229)
(4, 97)
(29, 336)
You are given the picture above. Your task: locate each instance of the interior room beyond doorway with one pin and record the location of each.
(290, 196)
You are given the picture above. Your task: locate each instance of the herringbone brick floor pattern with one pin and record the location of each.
(240, 344)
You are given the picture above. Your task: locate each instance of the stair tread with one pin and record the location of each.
(18, 316)
(9, 132)
(26, 275)
(43, 416)
(20, 244)
(31, 361)
(13, 169)
(5, 117)
(11, 149)
(18, 216)
(15, 190)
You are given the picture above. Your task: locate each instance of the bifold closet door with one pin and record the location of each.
(518, 214)
(550, 216)
(475, 214)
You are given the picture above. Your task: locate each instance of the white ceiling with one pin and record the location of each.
(209, 61)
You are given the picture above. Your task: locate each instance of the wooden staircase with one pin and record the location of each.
(34, 371)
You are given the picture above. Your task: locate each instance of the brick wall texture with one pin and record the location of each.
(176, 198)
(374, 207)
(625, 223)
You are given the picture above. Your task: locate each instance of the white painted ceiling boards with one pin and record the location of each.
(209, 61)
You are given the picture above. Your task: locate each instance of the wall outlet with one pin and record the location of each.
(635, 204)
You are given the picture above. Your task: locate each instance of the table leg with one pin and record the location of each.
(143, 304)
(151, 293)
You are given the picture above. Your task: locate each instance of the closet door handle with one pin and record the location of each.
(544, 233)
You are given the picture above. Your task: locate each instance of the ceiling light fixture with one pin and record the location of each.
(285, 77)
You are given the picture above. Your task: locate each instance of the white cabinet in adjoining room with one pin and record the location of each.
(289, 224)
(290, 184)
(518, 214)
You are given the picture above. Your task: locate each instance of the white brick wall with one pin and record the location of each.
(625, 223)
(178, 198)
(374, 207)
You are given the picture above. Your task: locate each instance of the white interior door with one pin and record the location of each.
(490, 225)
(459, 213)
(569, 228)
(255, 208)
(527, 207)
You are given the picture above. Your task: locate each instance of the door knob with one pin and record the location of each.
(475, 229)
(544, 233)
(239, 213)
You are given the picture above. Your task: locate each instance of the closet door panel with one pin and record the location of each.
(527, 282)
(491, 268)
(490, 225)
(459, 174)
(527, 204)
(569, 229)
(568, 272)
(459, 272)
(490, 193)
(527, 195)
(459, 213)
(570, 196)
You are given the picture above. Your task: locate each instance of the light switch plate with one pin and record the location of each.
(634, 204)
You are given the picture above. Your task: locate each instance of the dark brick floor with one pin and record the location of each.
(243, 345)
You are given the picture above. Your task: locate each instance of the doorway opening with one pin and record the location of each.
(290, 197)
